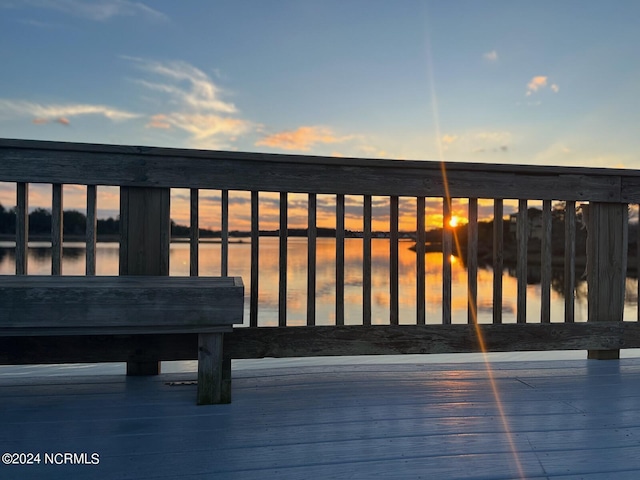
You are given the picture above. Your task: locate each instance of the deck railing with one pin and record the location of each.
(146, 175)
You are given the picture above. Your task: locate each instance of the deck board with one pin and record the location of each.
(568, 419)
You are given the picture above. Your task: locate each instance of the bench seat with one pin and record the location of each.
(37, 306)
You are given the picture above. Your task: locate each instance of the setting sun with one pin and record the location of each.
(455, 221)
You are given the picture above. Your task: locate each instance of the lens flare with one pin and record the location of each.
(473, 311)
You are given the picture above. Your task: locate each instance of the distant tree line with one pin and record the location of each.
(74, 222)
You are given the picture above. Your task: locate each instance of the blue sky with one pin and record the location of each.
(544, 82)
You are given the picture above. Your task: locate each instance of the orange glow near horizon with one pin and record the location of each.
(240, 208)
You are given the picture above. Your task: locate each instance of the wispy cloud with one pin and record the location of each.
(496, 141)
(188, 85)
(210, 130)
(302, 138)
(159, 121)
(61, 120)
(98, 10)
(540, 82)
(60, 113)
(372, 151)
(491, 56)
(193, 103)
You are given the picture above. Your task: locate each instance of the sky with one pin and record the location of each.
(517, 82)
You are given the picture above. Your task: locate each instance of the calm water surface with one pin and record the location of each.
(239, 265)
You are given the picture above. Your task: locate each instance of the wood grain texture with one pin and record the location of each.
(146, 236)
(420, 262)
(498, 258)
(570, 261)
(57, 162)
(91, 229)
(194, 232)
(606, 271)
(630, 188)
(607, 253)
(287, 342)
(366, 260)
(423, 339)
(224, 234)
(282, 261)
(123, 251)
(522, 240)
(545, 281)
(255, 258)
(209, 368)
(311, 258)
(73, 304)
(472, 261)
(393, 262)
(339, 310)
(447, 252)
(22, 228)
(56, 229)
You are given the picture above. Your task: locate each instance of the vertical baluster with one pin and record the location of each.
(545, 307)
(91, 229)
(255, 235)
(282, 275)
(569, 261)
(393, 262)
(498, 258)
(522, 239)
(224, 234)
(472, 261)
(194, 233)
(447, 251)
(420, 262)
(311, 259)
(22, 227)
(339, 259)
(123, 250)
(56, 229)
(366, 261)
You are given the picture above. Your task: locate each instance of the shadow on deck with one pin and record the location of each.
(568, 419)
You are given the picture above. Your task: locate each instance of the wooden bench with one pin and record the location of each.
(62, 306)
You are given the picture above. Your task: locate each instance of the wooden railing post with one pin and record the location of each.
(607, 226)
(144, 243)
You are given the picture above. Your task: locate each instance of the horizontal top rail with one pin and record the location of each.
(92, 164)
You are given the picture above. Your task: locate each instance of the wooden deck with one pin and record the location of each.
(568, 419)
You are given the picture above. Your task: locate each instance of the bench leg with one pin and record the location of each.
(143, 368)
(210, 368)
(226, 381)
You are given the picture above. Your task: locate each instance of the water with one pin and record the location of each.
(239, 265)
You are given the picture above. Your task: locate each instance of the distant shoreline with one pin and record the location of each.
(110, 239)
